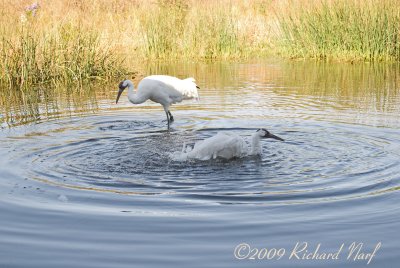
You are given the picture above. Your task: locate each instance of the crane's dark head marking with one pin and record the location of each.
(263, 132)
(122, 85)
(266, 134)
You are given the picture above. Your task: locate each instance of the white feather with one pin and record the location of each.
(223, 145)
(162, 89)
(179, 89)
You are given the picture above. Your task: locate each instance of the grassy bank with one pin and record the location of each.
(73, 41)
(61, 41)
(67, 54)
(343, 30)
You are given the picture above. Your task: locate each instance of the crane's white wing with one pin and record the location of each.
(176, 88)
(220, 145)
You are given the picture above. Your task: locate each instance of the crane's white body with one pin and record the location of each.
(224, 145)
(162, 89)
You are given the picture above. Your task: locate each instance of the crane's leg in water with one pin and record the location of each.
(167, 118)
(171, 118)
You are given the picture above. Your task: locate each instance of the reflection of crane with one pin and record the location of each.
(225, 145)
(162, 89)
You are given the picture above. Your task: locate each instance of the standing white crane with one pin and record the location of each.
(162, 89)
(225, 145)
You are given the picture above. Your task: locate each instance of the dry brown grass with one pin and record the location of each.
(130, 31)
(190, 28)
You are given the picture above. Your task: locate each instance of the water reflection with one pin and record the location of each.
(363, 93)
(364, 86)
(27, 106)
(298, 85)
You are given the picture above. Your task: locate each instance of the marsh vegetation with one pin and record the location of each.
(72, 42)
(343, 30)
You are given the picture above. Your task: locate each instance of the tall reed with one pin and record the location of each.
(77, 41)
(64, 52)
(179, 28)
(340, 29)
(68, 54)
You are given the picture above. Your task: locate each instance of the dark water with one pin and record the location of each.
(86, 183)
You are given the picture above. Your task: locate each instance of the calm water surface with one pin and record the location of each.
(87, 183)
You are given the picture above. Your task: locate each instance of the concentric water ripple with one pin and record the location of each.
(95, 186)
(317, 162)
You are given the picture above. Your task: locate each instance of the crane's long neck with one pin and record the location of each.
(255, 144)
(132, 96)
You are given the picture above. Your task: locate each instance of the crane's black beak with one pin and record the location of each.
(119, 94)
(272, 136)
(121, 89)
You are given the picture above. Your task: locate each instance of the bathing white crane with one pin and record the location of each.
(162, 89)
(225, 145)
